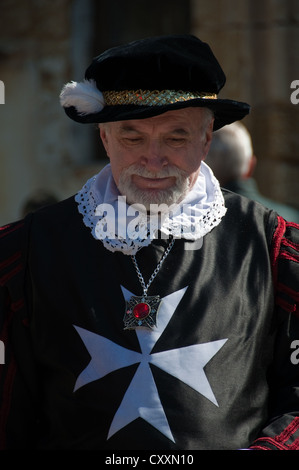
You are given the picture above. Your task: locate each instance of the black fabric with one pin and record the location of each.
(68, 280)
(175, 62)
(172, 62)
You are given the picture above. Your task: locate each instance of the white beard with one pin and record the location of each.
(169, 196)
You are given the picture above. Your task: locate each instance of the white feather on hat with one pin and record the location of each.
(84, 96)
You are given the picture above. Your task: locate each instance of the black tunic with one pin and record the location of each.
(220, 372)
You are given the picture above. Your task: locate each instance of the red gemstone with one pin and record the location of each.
(141, 310)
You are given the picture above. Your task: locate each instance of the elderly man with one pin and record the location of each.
(151, 310)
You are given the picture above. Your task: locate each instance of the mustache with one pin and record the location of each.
(167, 196)
(168, 171)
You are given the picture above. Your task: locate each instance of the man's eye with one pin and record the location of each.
(176, 141)
(132, 140)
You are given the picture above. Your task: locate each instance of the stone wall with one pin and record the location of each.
(41, 41)
(45, 43)
(257, 43)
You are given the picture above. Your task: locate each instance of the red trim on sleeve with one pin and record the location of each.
(276, 243)
(279, 442)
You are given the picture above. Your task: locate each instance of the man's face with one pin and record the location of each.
(157, 160)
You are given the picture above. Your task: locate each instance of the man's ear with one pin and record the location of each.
(251, 167)
(104, 137)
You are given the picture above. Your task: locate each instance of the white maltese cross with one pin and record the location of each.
(141, 399)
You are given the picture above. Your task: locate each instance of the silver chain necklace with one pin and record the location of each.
(143, 310)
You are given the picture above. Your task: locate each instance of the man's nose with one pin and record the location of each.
(154, 157)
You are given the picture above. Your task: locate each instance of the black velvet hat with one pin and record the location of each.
(149, 77)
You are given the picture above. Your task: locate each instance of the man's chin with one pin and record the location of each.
(151, 198)
(153, 194)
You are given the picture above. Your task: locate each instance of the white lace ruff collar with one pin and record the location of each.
(127, 228)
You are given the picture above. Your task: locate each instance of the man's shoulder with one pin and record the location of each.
(65, 208)
(249, 215)
(14, 236)
(243, 203)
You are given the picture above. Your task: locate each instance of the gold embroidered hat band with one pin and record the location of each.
(148, 77)
(152, 97)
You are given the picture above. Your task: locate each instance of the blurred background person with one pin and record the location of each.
(233, 162)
